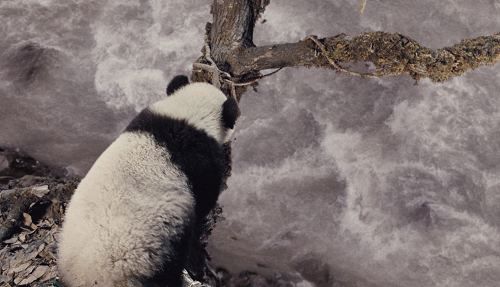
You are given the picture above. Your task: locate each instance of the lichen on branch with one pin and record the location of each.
(391, 54)
(396, 54)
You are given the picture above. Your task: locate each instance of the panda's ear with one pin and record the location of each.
(230, 113)
(176, 83)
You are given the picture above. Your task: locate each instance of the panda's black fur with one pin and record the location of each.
(176, 83)
(198, 155)
(170, 182)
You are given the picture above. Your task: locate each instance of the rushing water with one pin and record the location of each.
(344, 181)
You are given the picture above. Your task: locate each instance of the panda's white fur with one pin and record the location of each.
(200, 104)
(134, 201)
(116, 211)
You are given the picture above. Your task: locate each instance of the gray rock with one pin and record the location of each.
(4, 163)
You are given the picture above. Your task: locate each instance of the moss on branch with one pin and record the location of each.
(395, 54)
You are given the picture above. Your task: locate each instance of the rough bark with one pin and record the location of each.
(391, 53)
(229, 34)
(230, 38)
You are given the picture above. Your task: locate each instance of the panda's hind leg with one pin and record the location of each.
(170, 273)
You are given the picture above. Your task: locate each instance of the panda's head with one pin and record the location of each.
(201, 105)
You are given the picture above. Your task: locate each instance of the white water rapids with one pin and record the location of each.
(344, 181)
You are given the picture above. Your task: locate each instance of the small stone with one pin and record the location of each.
(19, 268)
(4, 280)
(4, 163)
(40, 191)
(22, 237)
(20, 277)
(7, 193)
(51, 274)
(41, 247)
(39, 272)
(10, 241)
(27, 221)
(31, 255)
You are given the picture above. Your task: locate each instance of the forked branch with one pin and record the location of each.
(230, 38)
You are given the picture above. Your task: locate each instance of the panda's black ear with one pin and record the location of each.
(230, 113)
(176, 83)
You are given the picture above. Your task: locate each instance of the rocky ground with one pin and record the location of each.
(32, 201)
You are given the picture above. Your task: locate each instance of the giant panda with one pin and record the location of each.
(131, 219)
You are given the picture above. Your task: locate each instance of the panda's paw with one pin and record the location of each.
(190, 282)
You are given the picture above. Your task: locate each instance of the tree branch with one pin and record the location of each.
(392, 54)
(232, 28)
(230, 38)
(230, 32)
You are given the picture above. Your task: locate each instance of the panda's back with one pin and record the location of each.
(124, 213)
